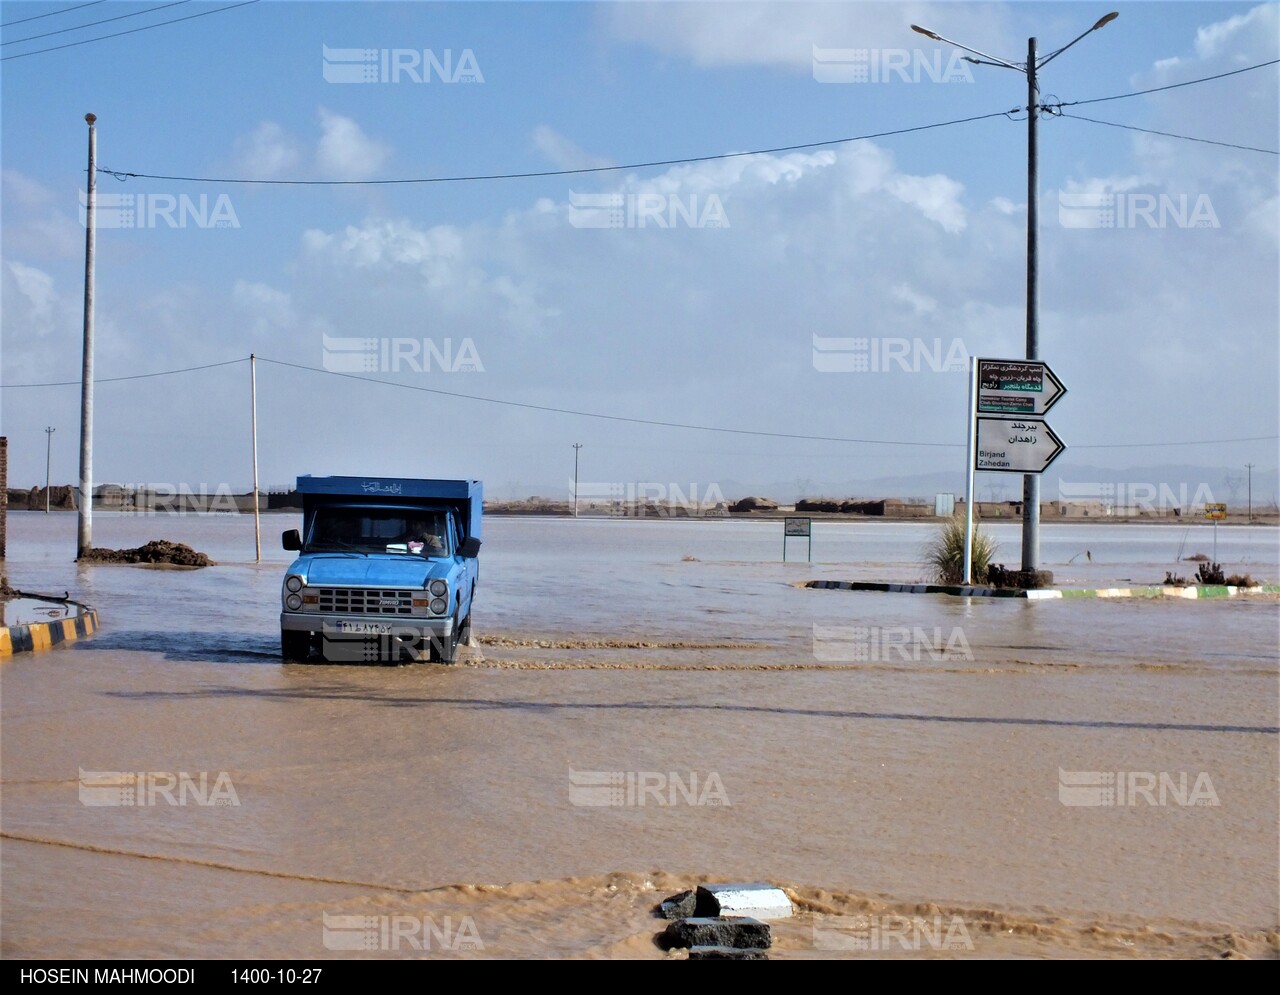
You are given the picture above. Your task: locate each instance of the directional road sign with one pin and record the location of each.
(1016, 445)
(1017, 387)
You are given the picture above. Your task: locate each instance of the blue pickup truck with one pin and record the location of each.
(386, 571)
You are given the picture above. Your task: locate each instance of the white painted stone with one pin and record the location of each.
(761, 901)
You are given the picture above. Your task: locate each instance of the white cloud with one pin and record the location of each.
(385, 243)
(36, 287)
(267, 152)
(39, 222)
(918, 302)
(782, 35)
(25, 193)
(936, 197)
(266, 308)
(1214, 39)
(563, 153)
(345, 152)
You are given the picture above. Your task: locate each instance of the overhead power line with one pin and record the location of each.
(136, 376)
(119, 175)
(128, 175)
(1166, 134)
(91, 24)
(606, 417)
(118, 34)
(618, 418)
(64, 10)
(1170, 86)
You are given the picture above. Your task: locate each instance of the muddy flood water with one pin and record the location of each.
(648, 705)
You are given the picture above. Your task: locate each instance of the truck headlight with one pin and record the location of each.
(293, 582)
(439, 605)
(293, 602)
(439, 588)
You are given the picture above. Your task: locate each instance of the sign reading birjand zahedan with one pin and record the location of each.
(1012, 398)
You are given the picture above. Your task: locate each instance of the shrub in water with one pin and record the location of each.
(944, 555)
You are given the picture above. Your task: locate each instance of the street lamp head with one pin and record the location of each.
(925, 31)
(1106, 20)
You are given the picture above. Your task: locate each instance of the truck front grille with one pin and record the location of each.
(364, 601)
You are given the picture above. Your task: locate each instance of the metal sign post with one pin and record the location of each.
(1215, 513)
(1008, 399)
(800, 528)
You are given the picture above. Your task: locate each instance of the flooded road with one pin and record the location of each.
(649, 704)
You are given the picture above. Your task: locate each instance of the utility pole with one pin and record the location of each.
(48, 456)
(84, 541)
(253, 422)
(1030, 481)
(1249, 467)
(576, 447)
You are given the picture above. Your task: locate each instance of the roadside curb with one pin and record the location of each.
(38, 636)
(975, 591)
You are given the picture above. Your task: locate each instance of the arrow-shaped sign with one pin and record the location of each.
(1016, 445)
(1017, 387)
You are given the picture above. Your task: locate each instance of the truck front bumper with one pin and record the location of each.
(365, 626)
(345, 638)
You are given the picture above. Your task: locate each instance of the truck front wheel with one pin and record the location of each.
(445, 650)
(295, 647)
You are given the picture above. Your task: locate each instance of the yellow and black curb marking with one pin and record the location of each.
(37, 636)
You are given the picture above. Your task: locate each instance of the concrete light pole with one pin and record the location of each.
(48, 456)
(576, 447)
(1030, 481)
(84, 541)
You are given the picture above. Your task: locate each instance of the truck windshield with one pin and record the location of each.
(402, 531)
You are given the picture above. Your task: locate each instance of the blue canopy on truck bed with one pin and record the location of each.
(465, 496)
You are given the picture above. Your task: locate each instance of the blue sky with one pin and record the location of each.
(1163, 331)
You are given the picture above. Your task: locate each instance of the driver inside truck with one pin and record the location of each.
(420, 539)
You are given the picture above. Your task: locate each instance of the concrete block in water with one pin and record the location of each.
(679, 906)
(718, 931)
(763, 901)
(727, 953)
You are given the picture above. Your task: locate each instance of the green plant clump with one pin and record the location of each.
(944, 555)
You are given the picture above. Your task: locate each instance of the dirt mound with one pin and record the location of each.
(157, 551)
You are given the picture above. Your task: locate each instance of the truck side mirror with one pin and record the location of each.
(469, 548)
(291, 539)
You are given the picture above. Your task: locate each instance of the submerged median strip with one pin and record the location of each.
(79, 622)
(1043, 594)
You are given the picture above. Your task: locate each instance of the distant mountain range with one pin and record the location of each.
(1169, 485)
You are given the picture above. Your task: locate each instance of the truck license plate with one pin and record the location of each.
(366, 628)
